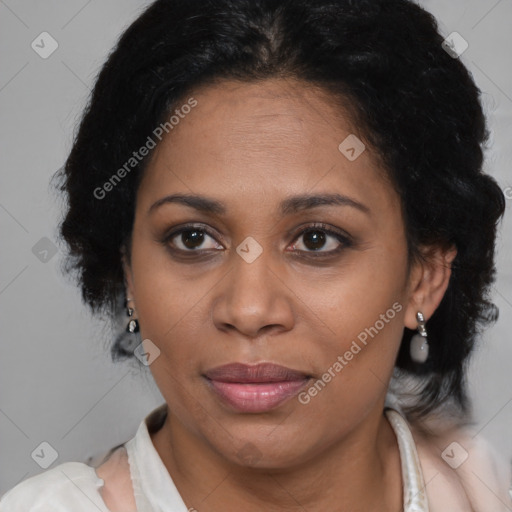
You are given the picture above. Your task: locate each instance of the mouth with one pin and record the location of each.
(255, 388)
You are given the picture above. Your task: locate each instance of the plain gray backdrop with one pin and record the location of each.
(57, 384)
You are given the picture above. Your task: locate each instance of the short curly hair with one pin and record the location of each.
(416, 104)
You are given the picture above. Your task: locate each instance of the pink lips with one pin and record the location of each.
(256, 388)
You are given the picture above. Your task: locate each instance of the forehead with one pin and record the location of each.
(275, 117)
(257, 141)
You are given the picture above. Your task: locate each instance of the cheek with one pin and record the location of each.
(363, 306)
(168, 304)
(366, 287)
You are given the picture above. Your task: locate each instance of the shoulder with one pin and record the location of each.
(118, 492)
(76, 486)
(68, 486)
(462, 469)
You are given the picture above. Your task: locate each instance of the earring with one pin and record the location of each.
(133, 324)
(419, 342)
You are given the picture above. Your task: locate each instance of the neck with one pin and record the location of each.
(359, 472)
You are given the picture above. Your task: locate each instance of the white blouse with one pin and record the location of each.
(75, 486)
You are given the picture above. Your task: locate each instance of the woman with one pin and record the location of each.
(288, 199)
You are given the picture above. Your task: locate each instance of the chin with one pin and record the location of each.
(268, 451)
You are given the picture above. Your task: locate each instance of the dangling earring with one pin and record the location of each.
(419, 342)
(133, 324)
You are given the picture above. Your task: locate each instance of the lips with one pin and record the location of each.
(255, 388)
(264, 372)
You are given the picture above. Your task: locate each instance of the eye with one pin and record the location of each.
(321, 239)
(317, 240)
(191, 239)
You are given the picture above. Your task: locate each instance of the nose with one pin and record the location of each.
(253, 299)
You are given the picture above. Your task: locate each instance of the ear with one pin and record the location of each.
(428, 281)
(128, 276)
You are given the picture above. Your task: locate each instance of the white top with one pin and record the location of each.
(76, 486)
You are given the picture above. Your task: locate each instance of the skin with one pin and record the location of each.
(250, 146)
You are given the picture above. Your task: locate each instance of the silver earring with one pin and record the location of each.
(419, 342)
(133, 324)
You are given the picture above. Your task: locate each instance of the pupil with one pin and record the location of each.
(316, 237)
(192, 237)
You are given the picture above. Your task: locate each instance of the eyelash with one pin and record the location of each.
(344, 239)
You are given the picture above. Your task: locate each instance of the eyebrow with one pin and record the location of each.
(289, 206)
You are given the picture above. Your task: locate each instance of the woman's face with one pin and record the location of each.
(246, 282)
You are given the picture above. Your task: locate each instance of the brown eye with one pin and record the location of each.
(191, 239)
(316, 238)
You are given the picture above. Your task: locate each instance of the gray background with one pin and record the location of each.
(57, 383)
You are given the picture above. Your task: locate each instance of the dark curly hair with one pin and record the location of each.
(415, 104)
